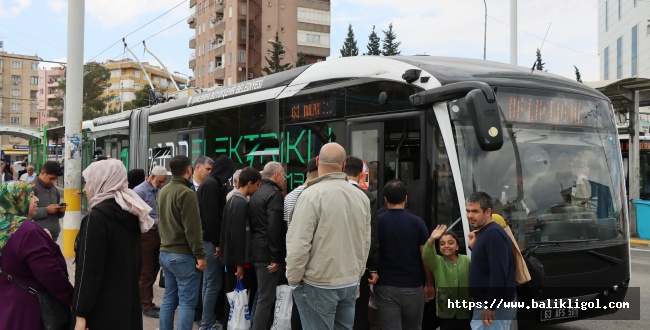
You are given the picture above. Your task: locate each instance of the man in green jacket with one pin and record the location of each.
(182, 256)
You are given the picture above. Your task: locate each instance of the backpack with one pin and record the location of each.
(534, 288)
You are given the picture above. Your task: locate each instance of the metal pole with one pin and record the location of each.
(633, 162)
(485, 31)
(73, 109)
(44, 158)
(146, 75)
(513, 32)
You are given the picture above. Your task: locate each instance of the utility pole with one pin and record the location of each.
(633, 163)
(513, 32)
(73, 138)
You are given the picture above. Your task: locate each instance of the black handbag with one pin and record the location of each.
(54, 314)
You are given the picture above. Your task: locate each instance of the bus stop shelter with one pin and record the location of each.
(628, 95)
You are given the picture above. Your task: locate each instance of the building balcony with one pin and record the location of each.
(219, 6)
(220, 27)
(192, 3)
(192, 21)
(52, 96)
(219, 73)
(219, 49)
(192, 64)
(53, 84)
(193, 43)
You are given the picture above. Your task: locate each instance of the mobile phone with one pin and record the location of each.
(63, 204)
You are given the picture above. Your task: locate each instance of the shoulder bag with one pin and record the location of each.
(54, 314)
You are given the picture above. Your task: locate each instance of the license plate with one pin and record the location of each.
(548, 314)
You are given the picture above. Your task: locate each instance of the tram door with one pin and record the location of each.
(392, 149)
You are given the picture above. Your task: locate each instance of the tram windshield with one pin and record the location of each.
(557, 178)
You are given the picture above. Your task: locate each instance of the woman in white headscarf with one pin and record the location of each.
(108, 248)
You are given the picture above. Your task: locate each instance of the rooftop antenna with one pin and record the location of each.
(540, 48)
(161, 63)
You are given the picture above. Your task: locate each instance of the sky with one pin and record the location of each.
(565, 31)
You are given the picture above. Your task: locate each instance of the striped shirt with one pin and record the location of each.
(290, 202)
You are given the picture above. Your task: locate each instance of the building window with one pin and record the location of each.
(606, 64)
(41, 91)
(33, 80)
(34, 66)
(15, 92)
(606, 15)
(137, 73)
(635, 59)
(619, 9)
(136, 86)
(242, 77)
(43, 114)
(229, 58)
(15, 106)
(229, 34)
(15, 80)
(242, 32)
(229, 11)
(115, 73)
(619, 59)
(211, 66)
(15, 120)
(229, 81)
(241, 56)
(155, 80)
(0, 62)
(163, 81)
(16, 64)
(242, 8)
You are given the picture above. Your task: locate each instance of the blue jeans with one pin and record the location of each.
(181, 287)
(503, 317)
(399, 308)
(322, 309)
(211, 285)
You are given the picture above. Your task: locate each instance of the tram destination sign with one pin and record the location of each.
(554, 108)
(313, 109)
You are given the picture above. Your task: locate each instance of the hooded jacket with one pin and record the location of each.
(212, 198)
(268, 234)
(108, 266)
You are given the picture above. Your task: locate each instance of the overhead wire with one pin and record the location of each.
(138, 29)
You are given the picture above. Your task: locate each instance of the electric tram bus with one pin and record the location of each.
(543, 146)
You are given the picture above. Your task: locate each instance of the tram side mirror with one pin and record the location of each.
(485, 119)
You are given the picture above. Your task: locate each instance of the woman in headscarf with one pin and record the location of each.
(30, 256)
(135, 177)
(108, 247)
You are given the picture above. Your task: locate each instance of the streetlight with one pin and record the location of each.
(189, 78)
(271, 41)
(485, 30)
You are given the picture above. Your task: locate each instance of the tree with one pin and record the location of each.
(95, 82)
(373, 43)
(539, 65)
(350, 45)
(142, 99)
(578, 78)
(277, 54)
(300, 59)
(390, 46)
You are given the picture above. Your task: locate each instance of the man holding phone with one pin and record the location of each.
(50, 209)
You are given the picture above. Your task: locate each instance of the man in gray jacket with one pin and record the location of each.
(49, 210)
(327, 244)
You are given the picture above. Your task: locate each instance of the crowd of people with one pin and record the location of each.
(327, 240)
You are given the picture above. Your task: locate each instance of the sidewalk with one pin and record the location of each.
(640, 241)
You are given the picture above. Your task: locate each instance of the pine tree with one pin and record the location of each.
(300, 59)
(578, 78)
(277, 55)
(390, 46)
(539, 65)
(373, 43)
(350, 45)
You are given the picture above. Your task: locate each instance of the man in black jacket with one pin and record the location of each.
(235, 229)
(354, 170)
(267, 248)
(212, 199)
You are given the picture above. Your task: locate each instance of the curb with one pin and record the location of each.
(639, 241)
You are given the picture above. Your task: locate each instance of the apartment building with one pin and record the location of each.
(18, 90)
(232, 36)
(127, 77)
(48, 90)
(623, 39)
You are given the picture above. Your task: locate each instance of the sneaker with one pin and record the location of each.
(153, 313)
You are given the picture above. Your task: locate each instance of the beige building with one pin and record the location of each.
(127, 77)
(48, 90)
(18, 91)
(232, 36)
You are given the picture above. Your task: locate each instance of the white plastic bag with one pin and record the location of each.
(283, 307)
(239, 317)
